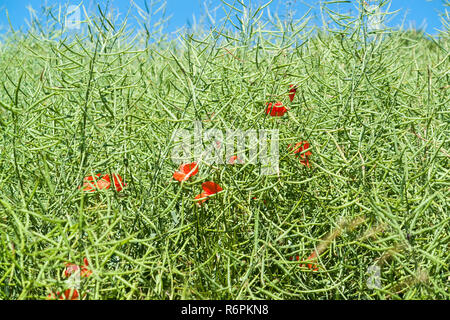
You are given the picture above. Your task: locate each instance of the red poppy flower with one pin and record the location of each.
(93, 178)
(118, 182)
(51, 296)
(85, 272)
(70, 269)
(73, 268)
(276, 110)
(69, 294)
(209, 188)
(93, 183)
(186, 171)
(310, 258)
(292, 91)
(203, 196)
(300, 149)
(233, 160)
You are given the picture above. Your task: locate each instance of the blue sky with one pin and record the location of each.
(420, 13)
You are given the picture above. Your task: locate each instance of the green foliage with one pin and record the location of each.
(107, 100)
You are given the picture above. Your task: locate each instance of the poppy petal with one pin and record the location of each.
(232, 159)
(190, 169)
(52, 296)
(186, 171)
(292, 92)
(118, 182)
(88, 187)
(201, 196)
(93, 183)
(311, 258)
(235, 158)
(269, 108)
(103, 184)
(211, 188)
(276, 110)
(92, 178)
(69, 294)
(70, 269)
(301, 149)
(85, 272)
(180, 176)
